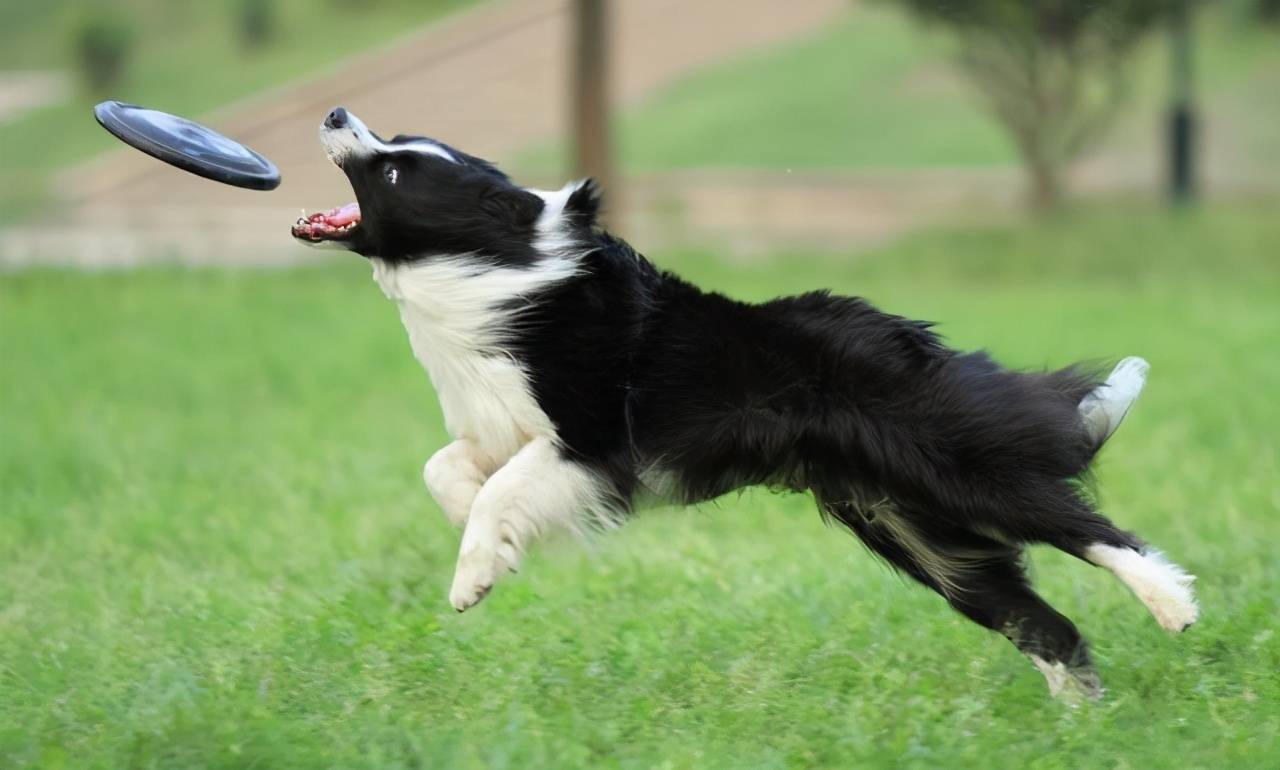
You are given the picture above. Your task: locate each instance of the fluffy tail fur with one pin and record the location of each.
(1104, 408)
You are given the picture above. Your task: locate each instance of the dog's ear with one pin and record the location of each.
(584, 203)
(512, 205)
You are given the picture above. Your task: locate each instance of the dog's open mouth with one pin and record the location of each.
(338, 224)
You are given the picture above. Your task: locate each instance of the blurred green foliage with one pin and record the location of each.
(1267, 11)
(879, 91)
(872, 91)
(1053, 72)
(257, 22)
(187, 57)
(33, 34)
(103, 43)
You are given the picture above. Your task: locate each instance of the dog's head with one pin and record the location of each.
(416, 197)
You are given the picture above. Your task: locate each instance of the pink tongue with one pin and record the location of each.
(344, 216)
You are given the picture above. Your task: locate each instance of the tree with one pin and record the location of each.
(1053, 71)
(1267, 11)
(103, 43)
(255, 22)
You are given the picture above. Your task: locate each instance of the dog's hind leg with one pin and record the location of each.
(1104, 408)
(1064, 520)
(1162, 586)
(997, 595)
(984, 580)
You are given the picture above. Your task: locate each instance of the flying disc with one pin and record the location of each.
(188, 145)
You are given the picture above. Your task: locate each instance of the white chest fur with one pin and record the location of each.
(455, 312)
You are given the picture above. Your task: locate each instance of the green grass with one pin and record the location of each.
(216, 551)
(187, 60)
(875, 90)
(879, 91)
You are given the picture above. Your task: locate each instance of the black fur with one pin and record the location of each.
(641, 371)
(942, 462)
(471, 207)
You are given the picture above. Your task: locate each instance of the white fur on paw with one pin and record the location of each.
(1070, 685)
(478, 569)
(473, 578)
(454, 494)
(1161, 585)
(1174, 605)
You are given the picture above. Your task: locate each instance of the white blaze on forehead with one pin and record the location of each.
(355, 139)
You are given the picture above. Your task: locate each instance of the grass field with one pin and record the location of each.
(215, 549)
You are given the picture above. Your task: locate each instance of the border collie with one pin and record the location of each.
(579, 382)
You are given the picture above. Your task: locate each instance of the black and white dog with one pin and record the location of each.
(579, 381)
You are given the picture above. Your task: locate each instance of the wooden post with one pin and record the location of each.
(589, 94)
(1182, 119)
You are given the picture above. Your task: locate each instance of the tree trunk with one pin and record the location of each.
(1045, 181)
(1032, 136)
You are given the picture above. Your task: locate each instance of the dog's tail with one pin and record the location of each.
(1105, 407)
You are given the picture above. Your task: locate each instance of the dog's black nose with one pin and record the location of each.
(336, 119)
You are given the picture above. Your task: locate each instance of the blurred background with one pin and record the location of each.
(215, 547)
(750, 125)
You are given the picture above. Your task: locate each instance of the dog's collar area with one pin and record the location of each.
(334, 225)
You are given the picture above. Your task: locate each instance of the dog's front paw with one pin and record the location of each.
(478, 568)
(453, 492)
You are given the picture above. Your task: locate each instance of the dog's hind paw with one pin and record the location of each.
(1161, 585)
(1072, 685)
(1175, 609)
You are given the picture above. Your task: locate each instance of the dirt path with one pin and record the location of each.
(21, 92)
(492, 80)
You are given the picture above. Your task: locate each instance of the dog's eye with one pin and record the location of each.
(392, 174)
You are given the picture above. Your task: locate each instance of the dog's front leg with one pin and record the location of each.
(536, 491)
(454, 475)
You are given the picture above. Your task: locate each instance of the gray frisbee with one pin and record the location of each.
(188, 145)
